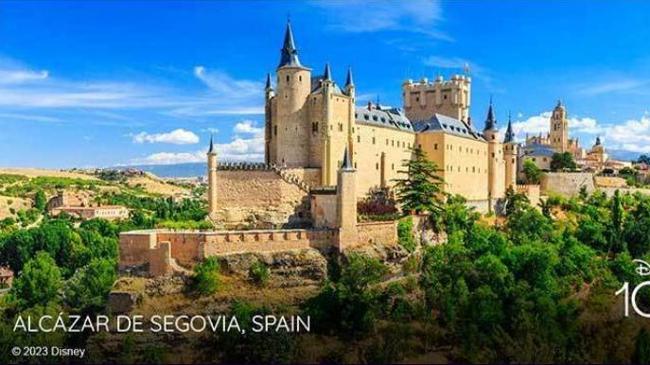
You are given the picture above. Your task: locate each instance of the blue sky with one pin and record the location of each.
(105, 83)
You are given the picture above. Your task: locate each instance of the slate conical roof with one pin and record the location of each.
(490, 121)
(510, 135)
(268, 82)
(347, 163)
(211, 150)
(289, 53)
(348, 80)
(327, 74)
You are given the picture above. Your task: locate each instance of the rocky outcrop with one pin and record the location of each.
(286, 268)
(122, 301)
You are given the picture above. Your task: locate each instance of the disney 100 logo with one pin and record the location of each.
(643, 269)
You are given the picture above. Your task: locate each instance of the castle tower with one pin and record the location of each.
(346, 204)
(268, 117)
(559, 129)
(212, 180)
(510, 152)
(424, 99)
(496, 173)
(290, 135)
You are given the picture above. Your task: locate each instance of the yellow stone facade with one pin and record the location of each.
(311, 121)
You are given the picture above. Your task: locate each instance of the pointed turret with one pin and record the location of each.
(289, 53)
(510, 135)
(490, 121)
(327, 74)
(597, 141)
(211, 150)
(268, 86)
(347, 162)
(348, 80)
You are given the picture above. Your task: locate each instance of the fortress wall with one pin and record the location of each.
(159, 259)
(323, 210)
(262, 197)
(566, 183)
(134, 247)
(377, 232)
(226, 242)
(185, 247)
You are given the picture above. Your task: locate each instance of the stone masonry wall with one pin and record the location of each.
(566, 183)
(261, 198)
(376, 232)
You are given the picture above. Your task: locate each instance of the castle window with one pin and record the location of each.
(392, 143)
(513, 160)
(356, 115)
(383, 120)
(275, 130)
(374, 117)
(417, 99)
(314, 127)
(444, 126)
(435, 146)
(492, 154)
(287, 78)
(300, 78)
(458, 168)
(387, 142)
(377, 166)
(392, 166)
(373, 140)
(355, 165)
(359, 139)
(340, 127)
(366, 116)
(473, 169)
(493, 136)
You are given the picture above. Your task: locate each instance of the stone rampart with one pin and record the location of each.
(376, 233)
(566, 183)
(260, 197)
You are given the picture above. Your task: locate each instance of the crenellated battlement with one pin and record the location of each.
(424, 98)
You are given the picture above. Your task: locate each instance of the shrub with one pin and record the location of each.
(206, 277)
(405, 234)
(259, 273)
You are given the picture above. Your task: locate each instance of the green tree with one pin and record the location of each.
(40, 201)
(87, 290)
(532, 173)
(515, 201)
(405, 234)
(562, 161)
(616, 244)
(421, 190)
(39, 282)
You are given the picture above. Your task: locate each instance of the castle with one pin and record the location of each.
(310, 120)
(322, 154)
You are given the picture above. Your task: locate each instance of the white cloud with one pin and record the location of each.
(357, 16)
(541, 123)
(177, 136)
(29, 117)
(247, 127)
(239, 149)
(23, 87)
(612, 86)
(633, 135)
(17, 76)
(223, 84)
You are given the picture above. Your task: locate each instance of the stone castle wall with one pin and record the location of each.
(566, 183)
(263, 198)
(377, 232)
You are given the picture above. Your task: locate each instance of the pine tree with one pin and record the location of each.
(421, 190)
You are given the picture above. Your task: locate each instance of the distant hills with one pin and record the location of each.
(190, 169)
